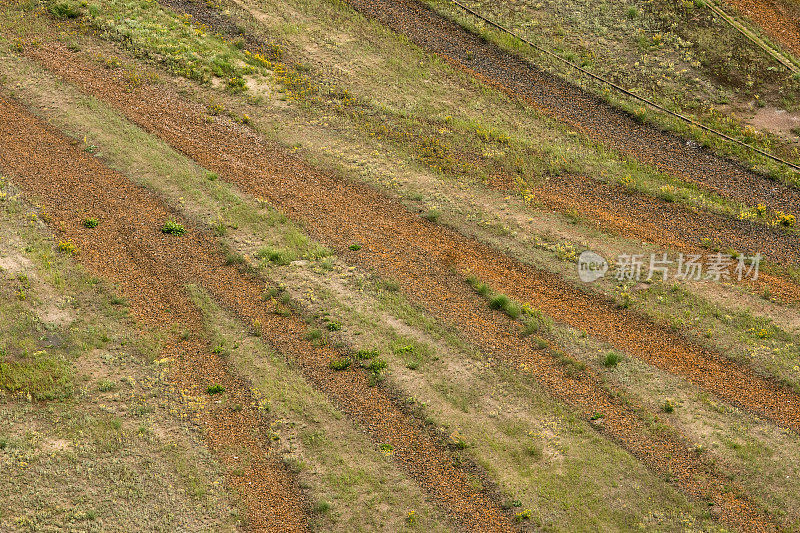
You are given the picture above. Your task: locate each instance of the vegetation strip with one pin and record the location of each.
(778, 18)
(154, 268)
(129, 249)
(635, 96)
(585, 112)
(423, 256)
(753, 37)
(318, 200)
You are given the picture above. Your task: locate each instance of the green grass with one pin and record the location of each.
(171, 227)
(40, 376)
(215, 389)
(612, 358)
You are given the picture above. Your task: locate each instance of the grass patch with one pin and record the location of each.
(215, 389)
(171, 227)
(612, 359)
(40, 376)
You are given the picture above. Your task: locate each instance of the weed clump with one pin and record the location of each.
(612, 358)
(171, 227)
(499, 301)
(65, 10)
(67, 247)
(90, 222)
(367, 353)
(215, 389)
(340, 364)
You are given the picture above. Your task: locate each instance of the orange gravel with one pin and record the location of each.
(778, 18)
(401, 245)
(430, 260)
(153, 270)
(128, 248)
(674, 226)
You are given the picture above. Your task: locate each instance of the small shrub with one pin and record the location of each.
(531, 327)
(232, 258)
(367, 353)
(499, 301)
(386, 449)
(90, 222)
(512, 309)
(433, 215)
(355, 247)
(524, 515)
(65, 10)
(314, 334)
(236, 84)
(105, 385)
(668, 406)
(534, 451)
(322, 507)
(215, 109)
(612, 358)
(273, 255)
(171, 227)
(377, 365)
(334, 326)
(67, 247)
(510, 504)
(215, 389)
(340, 364)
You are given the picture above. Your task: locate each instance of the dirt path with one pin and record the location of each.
(778, 19)
(572, 105)
(430, 261)
(153, 270)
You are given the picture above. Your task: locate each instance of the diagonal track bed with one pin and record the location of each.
(153, 271)
(566, 102)
(401, 245)
(777, 18)
(126, 250)
(428, 261)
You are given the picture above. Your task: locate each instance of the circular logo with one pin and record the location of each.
(591, 266)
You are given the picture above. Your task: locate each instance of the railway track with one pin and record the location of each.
(574, 106)
(426, 260)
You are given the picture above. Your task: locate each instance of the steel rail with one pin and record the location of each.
(625, 91)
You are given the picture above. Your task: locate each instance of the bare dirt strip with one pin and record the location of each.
(153, 270)
(778, 18)
(430, 262)
(572, 105)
